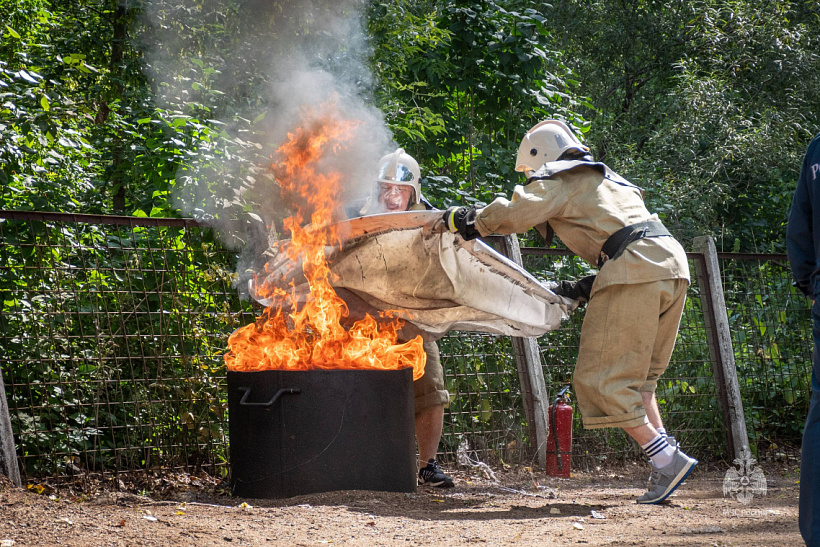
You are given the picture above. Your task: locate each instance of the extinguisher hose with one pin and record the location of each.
(554, 427)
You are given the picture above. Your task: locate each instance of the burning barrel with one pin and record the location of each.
(318, 401)
(297, 432)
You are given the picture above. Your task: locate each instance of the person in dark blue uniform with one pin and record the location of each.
(803, 245)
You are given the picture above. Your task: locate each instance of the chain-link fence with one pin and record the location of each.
(111, 338)
(770, 322)
(112, 332)
(770, 325)
(687, 392)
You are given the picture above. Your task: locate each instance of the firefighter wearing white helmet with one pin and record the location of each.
(398, 189)
(399, 173)
(548, 141)
(634, 303)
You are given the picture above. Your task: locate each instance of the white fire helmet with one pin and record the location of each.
(546, 142)
(399, 167)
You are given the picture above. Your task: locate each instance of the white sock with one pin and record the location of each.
(659, 451)
(667, 437)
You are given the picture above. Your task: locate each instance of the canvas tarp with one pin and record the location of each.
(435, 280)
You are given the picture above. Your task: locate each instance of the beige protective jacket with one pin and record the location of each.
(585, 203)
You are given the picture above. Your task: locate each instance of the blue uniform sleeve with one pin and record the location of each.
(802, 234)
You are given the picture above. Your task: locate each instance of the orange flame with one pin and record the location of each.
(287, 337)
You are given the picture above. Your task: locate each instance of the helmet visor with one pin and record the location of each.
(402, 173)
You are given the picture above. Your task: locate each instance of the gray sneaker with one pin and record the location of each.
(653, 474)
(664, 481)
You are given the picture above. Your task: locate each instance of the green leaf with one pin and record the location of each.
(27, 77)
(44, 103)
(12, 32)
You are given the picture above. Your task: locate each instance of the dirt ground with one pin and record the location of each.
(522, 508)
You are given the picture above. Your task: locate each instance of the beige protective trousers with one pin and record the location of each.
(627, 340)
(429, 390)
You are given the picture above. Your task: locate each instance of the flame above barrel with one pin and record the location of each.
(288, 336)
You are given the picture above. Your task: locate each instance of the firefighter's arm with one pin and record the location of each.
(800, 236)
(529, 206)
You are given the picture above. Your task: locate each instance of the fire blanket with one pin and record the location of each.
(434, 280)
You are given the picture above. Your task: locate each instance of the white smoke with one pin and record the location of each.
(273, 59)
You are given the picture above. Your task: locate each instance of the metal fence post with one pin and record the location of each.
(8, 456)
(531, 375)
(719, 339)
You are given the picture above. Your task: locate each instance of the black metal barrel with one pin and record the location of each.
(300, 432)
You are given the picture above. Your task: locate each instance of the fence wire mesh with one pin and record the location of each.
(486, 417)
(111, 337)
(112, 332)
(770, 322)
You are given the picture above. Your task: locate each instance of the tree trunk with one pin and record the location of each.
(118, 153)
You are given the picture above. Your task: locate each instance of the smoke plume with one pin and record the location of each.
(255, 65)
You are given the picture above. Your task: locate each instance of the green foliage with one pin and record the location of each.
(45, 153)
(112, 344)
(771, 334)
(109, 107)
(709, 105)
(112, 107)
(481, 378)
(461, 82)
(83, 131)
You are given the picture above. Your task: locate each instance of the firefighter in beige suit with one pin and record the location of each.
(635, 301)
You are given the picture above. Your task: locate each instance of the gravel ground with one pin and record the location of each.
(521, 507)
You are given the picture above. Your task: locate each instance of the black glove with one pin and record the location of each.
(461, 220)
(577, 290)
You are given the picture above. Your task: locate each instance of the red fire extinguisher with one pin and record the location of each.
(559, 437)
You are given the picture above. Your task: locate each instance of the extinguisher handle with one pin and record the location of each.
(561, 394)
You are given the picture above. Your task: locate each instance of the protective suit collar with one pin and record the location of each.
(552, 168)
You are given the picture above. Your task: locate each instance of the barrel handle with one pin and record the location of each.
(283, 391)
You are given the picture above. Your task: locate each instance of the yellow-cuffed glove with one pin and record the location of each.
(461, 220)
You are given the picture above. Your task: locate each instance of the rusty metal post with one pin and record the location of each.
(719, 339)
(8, 456)
(531, 375)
